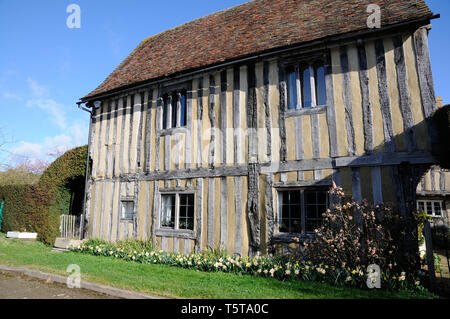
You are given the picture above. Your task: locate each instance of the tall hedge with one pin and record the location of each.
(64, 179)
(26, 209)
(37, 208)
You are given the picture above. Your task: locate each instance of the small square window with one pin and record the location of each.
(127, 210)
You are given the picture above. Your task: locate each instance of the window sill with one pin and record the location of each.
(186, 234)
(306, 111)
(174, 130)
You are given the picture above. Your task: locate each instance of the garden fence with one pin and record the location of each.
(69, 226)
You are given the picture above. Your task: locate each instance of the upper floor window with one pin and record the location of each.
(174, 109)
(306, 85)
(430, 207)
(300, 210)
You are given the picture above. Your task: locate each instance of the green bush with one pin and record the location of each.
(358, 235)
(37, 207)
(65, 178)
(26, 209)
(15, 210)
(440, 235)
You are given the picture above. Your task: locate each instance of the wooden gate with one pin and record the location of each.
(69, 226)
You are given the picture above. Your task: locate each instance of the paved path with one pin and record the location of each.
(15, 285)
(21, 282)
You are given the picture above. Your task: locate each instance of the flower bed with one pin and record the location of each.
(264, 266)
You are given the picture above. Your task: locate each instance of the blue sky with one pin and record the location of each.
(45, 67)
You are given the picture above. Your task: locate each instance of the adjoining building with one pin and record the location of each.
(433, 192)
(227, 132)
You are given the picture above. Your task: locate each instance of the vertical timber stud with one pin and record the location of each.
(426, 81)
(238, 204)
(199, 217)
(212, 119)
(223, 213)
(366, 104)
(267, 110)
(114, 140)
(331, 110)
(253, 167)
(441, 180)
(282, 112)
(384, 97)
(199, 122)
(159, 118)
(130, 133)
(223, 116)
(347, 101)
(136, 221)
(210, 214)
(270, 213)
(147, 198)
(108, 149)
(236, 113)
(148, 130)
(122, 141)
(405, 103)
(140, 133)
(155, 211)
(188, 139)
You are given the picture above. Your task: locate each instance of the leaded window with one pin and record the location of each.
(300, 210)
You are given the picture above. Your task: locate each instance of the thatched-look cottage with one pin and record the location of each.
(227, 132)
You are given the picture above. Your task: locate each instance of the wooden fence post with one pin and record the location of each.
(430, 256)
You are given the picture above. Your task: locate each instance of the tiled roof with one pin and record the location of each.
(250, 28)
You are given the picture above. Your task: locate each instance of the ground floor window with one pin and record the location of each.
(177, 211)
(430, 207)
(127, 209)
(300, 210)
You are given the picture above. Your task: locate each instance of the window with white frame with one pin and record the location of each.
(300, 210)
(306, 85)
(177, 211)
(430, 207)
(174, 109)
(127, 209)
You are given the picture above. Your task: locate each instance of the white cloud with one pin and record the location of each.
(55, 109)
(27, 150)
(70, 133)
(37, 89)
(77, 136)
(11, 96)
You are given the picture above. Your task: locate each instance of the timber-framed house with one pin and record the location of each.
(228, 131)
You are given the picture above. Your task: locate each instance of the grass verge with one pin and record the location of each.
(173, 282)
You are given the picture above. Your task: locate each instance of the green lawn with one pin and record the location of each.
(175, 282)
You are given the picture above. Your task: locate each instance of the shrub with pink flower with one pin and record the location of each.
(357, 235)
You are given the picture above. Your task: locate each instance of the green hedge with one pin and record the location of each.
(26, 209)
(64, 179)
(37, 208)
